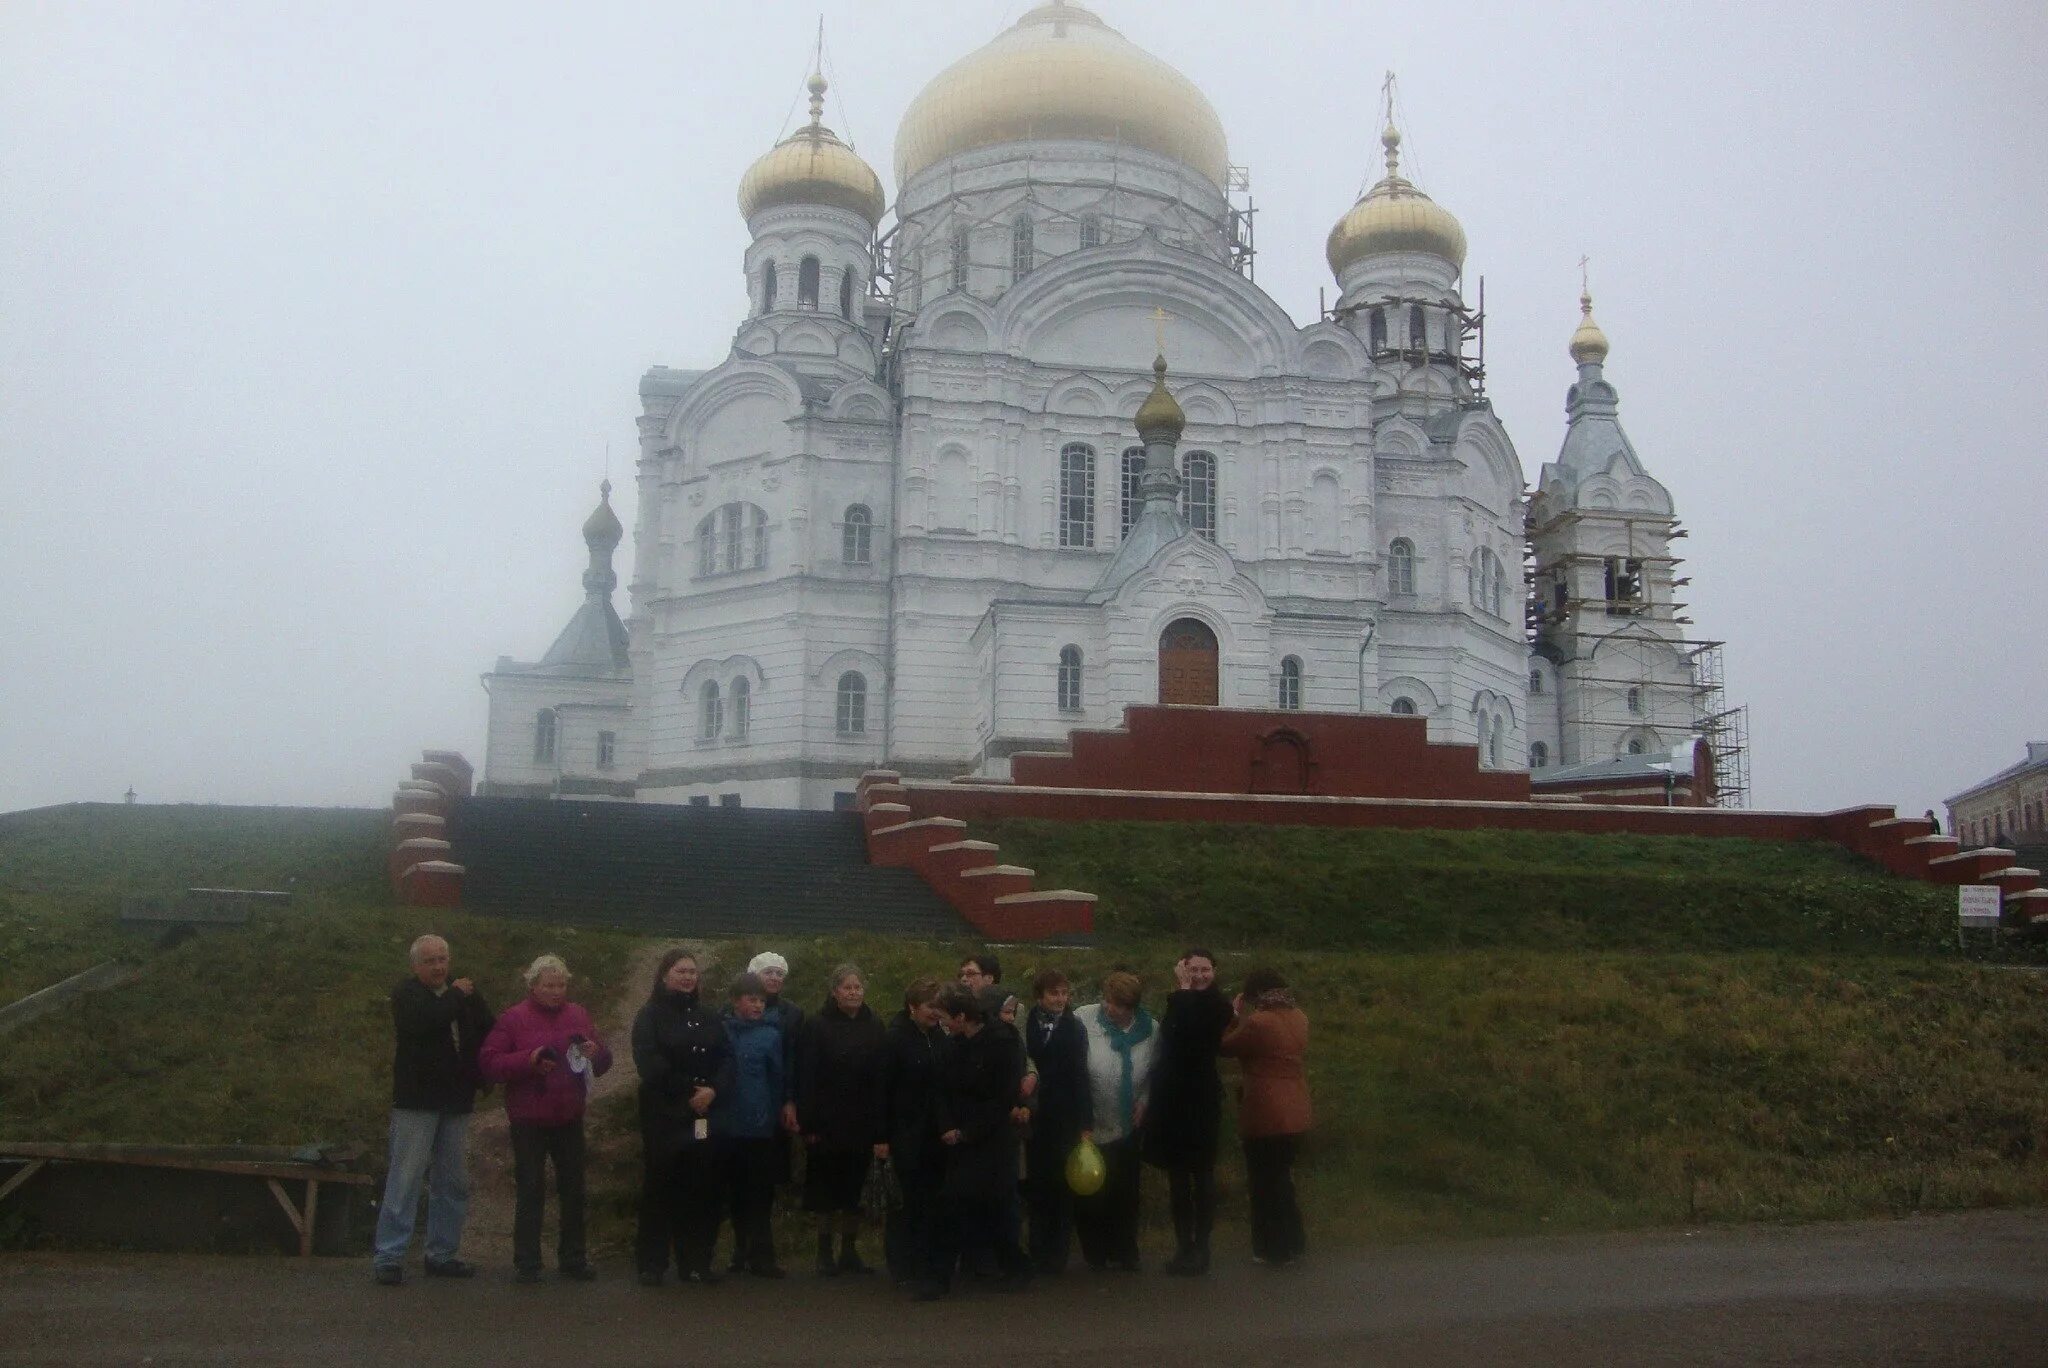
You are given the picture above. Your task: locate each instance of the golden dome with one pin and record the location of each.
(1161, 412)
(811, 166)
(1588, 343)
(602, 527)
(1394, 216)
(1059, 72)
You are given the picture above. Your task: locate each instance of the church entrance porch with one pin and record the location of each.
(1187, 664)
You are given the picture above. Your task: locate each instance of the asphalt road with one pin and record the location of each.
(1967, 1289)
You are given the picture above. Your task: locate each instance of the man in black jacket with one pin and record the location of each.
(439, 1026)
(1065, 1112)
(983, 1071)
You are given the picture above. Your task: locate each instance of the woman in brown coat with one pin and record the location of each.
(1269, 1038)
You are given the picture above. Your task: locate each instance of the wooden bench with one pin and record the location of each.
(275, 1166)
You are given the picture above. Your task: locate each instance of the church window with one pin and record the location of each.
(846, 294)
(1635, 700)
(1091, 231)
(854, 543)
(607, 749)
(732, 537)
(742, 707)
(767, 287)
(1401, 566)
(1418, 329)
(1403, 707)
(1539, 755)
(960, 259)
(1324, 499)
(807, 273)
(1479, 735)
(1535, 682)
(757, 539)
(851, 715)
(1496, 740)
(544, 737)
(1133, 495)
(1624, 585)
(1488, 582)
(710, 712)
(1198, 493)
(1070, 679)
(1635, 747)
(1376, 330)
(1023, 254)
(1077, 495)
(1290, 683)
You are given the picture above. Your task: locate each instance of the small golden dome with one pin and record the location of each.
(811, 166)
(1160, 414)
(1394, 216)
(1588, 343)
(602, 527)
(1057, 73)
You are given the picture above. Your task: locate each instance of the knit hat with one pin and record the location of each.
(767, 960)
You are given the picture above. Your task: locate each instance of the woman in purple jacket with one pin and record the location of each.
(546, 1053)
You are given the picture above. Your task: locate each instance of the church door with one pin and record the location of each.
(1187, 664)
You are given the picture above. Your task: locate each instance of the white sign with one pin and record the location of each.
(1977, 904)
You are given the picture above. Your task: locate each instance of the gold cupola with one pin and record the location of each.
(1061, 73)
(1394, 216)
(1589, 344)
(1160, 417)
(811, 166)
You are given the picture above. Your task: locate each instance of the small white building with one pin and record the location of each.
(2010, 806)
(943, 502)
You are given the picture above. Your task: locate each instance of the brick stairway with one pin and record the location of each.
(686, 871)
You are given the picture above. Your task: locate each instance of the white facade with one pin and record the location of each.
(890, 519)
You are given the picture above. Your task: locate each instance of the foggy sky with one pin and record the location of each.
(315, 321)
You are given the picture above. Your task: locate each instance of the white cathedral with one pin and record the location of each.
(944, 501)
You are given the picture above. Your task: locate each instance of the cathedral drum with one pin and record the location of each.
(1187, 664)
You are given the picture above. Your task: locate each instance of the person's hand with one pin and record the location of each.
(789, 1117)
(539, 1060)
(1030, 1085)
(1138, 1116)
(701, 1099)
(1237, 1005)
(1020, 1116)
(812, 1140)
(1089, 1136)
(463, 986)
(1183, 976)
(951, 1137)
(882, 1150)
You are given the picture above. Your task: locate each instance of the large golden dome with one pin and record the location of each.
(811, 166)
(1060, 72)
(1394, 216)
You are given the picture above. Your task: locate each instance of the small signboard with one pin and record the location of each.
(1977, 905)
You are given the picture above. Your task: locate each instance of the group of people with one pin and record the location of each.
(992, 1135)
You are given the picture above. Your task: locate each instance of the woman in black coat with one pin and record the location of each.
(685, 1064)
(1187, 1105)
(912, 1070)
(841, 1113)
(978, 1089)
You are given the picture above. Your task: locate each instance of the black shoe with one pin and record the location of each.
(930, 1292)
(704, 1277)
(849, 1261)
(767, 1270)
(582, 1272)
(736, 1265)
(450, 1268)
(388, 1275)
(1014, 1282)
(1129, 1265)
(826, 1268)
(650, 1277)
(527, 1275)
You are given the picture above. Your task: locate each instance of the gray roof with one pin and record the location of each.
(592, 645)
(2037, 759)
(1649, 765)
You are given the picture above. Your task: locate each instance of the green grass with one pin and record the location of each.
(1710, 1031)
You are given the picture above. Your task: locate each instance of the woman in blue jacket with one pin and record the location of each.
(753, 1118)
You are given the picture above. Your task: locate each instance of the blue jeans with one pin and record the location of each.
(427, 1148)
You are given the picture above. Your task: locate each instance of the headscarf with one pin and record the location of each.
(1124, 1039)
(767, 959)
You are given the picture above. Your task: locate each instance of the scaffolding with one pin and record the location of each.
(1464, 343)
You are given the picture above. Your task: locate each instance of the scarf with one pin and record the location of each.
(1124, 1039)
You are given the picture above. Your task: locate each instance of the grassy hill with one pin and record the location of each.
(1511, 1032)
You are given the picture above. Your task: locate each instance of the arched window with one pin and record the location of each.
(1290, 683)
(1198, 493)
(1070, 679)
(851, 715)
(710, 712)
(1023, 255)
(768, 287)
(1091, 231)
(544, 737)
(959, 264)
(1539, 755)
(1488, 582)
(742, 707)
(1324, 498)
(607, 749)
(1403, 707)
(1133, 496)
(1635, 747)
(757, 540)
(1077, 495)
(854, 546)
(1376, 330)
(1535, 683)
(1635, 699)
(1496, 740)
(1479, 735)
(1401, 566)
(1418, 329)
(846, 294)
(807, 273)
(732, 537)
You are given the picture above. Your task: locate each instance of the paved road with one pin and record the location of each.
(1969, 1289)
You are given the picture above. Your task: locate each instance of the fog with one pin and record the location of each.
(316, 323)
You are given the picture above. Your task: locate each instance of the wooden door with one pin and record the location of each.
(1187, 664)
